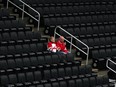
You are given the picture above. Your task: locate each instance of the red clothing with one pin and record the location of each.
(52, 46)
(61, 46)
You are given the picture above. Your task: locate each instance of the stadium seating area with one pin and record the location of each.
(24, 59)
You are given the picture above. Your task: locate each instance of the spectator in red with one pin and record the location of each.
(61, 45)
(51, 46)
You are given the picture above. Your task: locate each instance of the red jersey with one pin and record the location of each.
(52, 46)
(61, 46)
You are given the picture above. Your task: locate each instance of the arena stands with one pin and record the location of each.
(24, 59)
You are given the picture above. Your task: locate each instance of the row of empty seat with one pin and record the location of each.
(68, 72)
(19, 37)
(74, 10)
(91, 31)
(101, 55)
(13, 25)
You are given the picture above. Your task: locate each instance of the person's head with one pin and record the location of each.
(52, 39)
(61, 39)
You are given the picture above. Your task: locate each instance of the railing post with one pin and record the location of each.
(23, 11)
(87, 56)
(38, 22)
(71, 44)
(7, 4)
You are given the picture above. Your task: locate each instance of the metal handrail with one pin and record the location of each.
(107, 65)
(71, 44)
(23, 11)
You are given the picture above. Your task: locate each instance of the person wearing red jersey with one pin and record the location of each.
(51, 46)
(61, 45)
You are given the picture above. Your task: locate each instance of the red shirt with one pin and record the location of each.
(61, 46)
(52, 46)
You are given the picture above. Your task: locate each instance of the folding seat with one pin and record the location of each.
(64, 10)
(37, 76)
(95, 31)
(99, 80)
(33, 48)
(21, 24)
(102, 42)
(55, 84)
(19, 49)
(40, 47)
(47, 85)
(95, 54)
(41, 60)
(92, 81)
(26, 48)
(111, 18)
(8, 23)
(90, 43)
(65, 21)
(71, 21)
(113, 29)
(108, 53)
(6, 37)
(12, 79)
(21, 78)
(29, 35)
(102, 54)
(101, 30)
(114, 52)
(107, 30)
(48, 59)
(106, 18)
(61, 72)
(106, 82)
(29, 77)
(71, 83)
(101, 19)
(47, 74)
(39, 9)
(11, 50)
(96, 43)
(34, 61)
(4, 80)
(63, 84)
(40, 85)
(26, 62)
(83, 20)
(75, 71)
(55, 59)
(19, 62)
(21, 36)
(2, 25)
(11, 63)
(95, 20)
(83, 32)
(86, 82)
(70, 30)
(59, 21)
(3, 65)
(88, 20)
(79, 83)
(3, 50)
(52, 11)
(68, 71)
(77, 21)
(14, 36)
(36, 35)
(108, 41)
(54, 73)
(77, 32)
(113, 41)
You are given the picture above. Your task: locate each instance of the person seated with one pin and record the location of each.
(51, 46)
(61, 45)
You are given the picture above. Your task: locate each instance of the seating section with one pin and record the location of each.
(4, 15)
(25, 61)
(66, 76)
